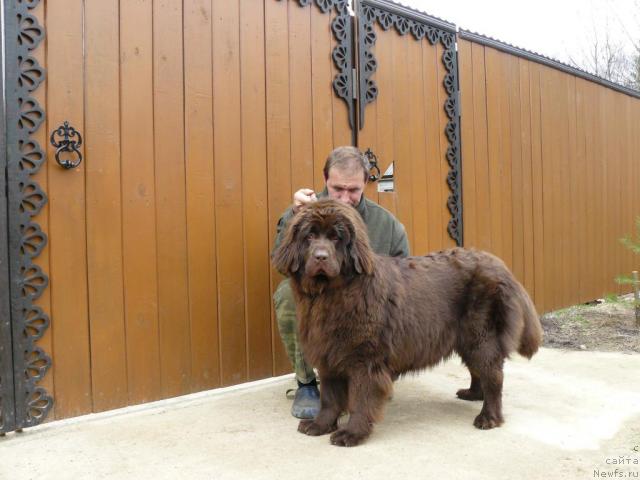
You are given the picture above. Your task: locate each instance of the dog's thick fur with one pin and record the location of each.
(365, 319)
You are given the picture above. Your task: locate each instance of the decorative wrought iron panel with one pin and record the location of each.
(405, 20)
(25, 200)
(7, 405)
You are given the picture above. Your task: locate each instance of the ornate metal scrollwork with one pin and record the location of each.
(389, 15)
(31, 403)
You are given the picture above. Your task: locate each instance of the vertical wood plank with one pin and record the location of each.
(564, 188)
(627, 185)
(481, 148)
(537, 188)
(599, 188)
(571, 195)
(608, 256)
(255, 188)
(552, 137)
(469, 161)
(415, 87)
(633, 207)
(515, 158)
(591, 204)
(381, 112)
(139, 201)
(402, 146)
(228, 188)
(589, 186)
(201, 232)
(580, 199)
(168, 112)
(300, 97)
(278, 135)
(527, 176)
(433, 180)
(67, 216)
(614, 189)
(492, 62)
(620, 181)
(322, 92)
(506, 160)
(104, 205)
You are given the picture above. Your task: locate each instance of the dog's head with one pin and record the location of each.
(325, 240)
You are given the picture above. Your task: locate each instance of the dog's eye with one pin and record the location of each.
(333, 237)
(311, 236)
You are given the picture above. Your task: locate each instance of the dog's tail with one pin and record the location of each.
(531, 337)
(518, 310)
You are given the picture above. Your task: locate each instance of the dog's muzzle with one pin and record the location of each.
(321, 262)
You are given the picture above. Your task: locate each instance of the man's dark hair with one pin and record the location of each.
(347, 158)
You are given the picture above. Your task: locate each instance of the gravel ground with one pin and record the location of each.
(608, 325)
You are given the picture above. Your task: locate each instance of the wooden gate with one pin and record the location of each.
(197, 120)
(409, 116)
(169, 139)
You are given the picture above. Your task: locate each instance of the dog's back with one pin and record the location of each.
(448, 301)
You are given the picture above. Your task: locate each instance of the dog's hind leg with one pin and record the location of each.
(333, 401)
(474, 392)
(491, 378)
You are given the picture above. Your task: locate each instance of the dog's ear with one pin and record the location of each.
(289, 255)
(359, 248)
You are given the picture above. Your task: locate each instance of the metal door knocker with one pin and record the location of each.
(67, 144)
(373, 162)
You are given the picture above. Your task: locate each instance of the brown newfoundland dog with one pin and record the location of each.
(365, 319)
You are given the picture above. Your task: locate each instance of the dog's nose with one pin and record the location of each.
(320, 254)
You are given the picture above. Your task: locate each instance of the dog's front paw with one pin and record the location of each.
(346, 438)
(485, 421)
(310, 427)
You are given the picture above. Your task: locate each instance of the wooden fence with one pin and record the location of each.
(551, 173)
(198, 124)
(200, 118)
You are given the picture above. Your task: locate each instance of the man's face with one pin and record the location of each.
(346, 186)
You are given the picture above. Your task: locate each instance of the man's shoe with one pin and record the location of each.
(306, 403)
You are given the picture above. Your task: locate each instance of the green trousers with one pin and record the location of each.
(287, 324)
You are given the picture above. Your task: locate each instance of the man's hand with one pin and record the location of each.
(303, 197)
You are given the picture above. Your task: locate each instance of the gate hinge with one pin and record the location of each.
(354, 82)
(351, 8)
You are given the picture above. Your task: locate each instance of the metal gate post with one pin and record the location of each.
(25, 200)
(7, 401)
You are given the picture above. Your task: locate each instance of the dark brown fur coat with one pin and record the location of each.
(365, 319)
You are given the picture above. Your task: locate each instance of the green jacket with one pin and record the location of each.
(387, 235)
